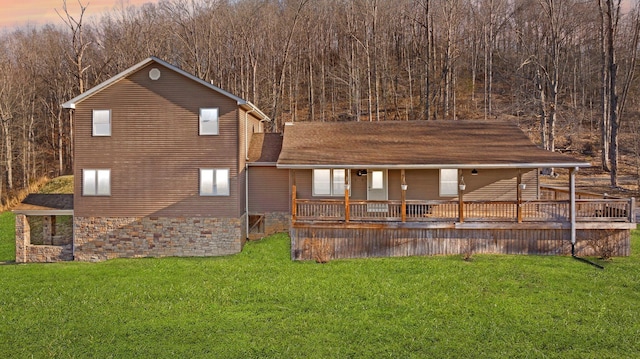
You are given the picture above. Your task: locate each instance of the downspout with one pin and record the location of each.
(246, 158)
(572, 211)
(73, 165)
(572, 200)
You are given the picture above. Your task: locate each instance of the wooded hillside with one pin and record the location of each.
(565, 70)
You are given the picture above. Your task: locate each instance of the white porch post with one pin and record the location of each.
(572, 199)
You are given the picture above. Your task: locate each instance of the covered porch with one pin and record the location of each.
(556, 221)
(424, 188)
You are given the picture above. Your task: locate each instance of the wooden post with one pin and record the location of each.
(347, 213)
(632, 209)
(403, 207)
(519, 197)
(460, 199)
(294, 207)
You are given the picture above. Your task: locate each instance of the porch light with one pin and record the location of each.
(404, 187)
(522, 186)
(462, 185)
(474, 172)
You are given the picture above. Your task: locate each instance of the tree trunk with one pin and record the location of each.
(613, 149)
(605, 98)
(9, 152)
(427, 64)
(279, 84)
(542, 109)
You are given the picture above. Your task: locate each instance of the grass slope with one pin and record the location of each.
(260, 304)
(58, 185)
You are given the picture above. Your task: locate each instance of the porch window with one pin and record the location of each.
(214, 182)
(329, 182)
(101, 122)
(377, 180)
(448, 182)
(96, 182)
(208, 121)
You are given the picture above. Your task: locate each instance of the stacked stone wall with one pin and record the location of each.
(49, 254)
(276, 222)
(62, 250)
(273, 222)
(23, 238)
(102, 238)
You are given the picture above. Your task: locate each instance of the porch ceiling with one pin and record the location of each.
(414, 145)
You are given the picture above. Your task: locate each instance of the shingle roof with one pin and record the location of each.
(414, 144)
(265, 147)
(45, 204)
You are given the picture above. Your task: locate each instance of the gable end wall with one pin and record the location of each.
(154, 151)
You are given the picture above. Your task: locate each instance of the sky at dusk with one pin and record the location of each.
(16, 13)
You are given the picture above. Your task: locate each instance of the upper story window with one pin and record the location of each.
(448, 182)
(214, 182)
(208, 121)
(329, 182)
(102, 122)
(96, 182)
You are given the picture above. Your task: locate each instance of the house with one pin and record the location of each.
(160, 159)
(166, 164)
(364, 189)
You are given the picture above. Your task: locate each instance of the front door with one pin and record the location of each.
(377, 190)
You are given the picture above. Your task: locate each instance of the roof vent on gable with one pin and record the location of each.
(154, 74)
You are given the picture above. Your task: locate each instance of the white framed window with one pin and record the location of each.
(101, 120)
(448, 182)
(96, 182)
(208, 121)
(214, 182)
(330, 181)
(377, 179)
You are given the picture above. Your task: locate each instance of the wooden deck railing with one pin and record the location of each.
(560, 193)
(610, 210)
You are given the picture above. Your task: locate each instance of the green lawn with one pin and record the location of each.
(260, 304)
(7, 237)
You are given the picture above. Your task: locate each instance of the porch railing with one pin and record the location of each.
(610, 210)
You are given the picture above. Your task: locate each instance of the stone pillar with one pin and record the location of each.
(48, 229)
(23, 238)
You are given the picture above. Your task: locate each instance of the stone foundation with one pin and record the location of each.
(101, 238)
(273, 222)
(276, 222)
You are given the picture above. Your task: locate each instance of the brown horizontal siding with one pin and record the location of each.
(154, 151)
(247, 125)
(394, 242)
(499, 185)
(268, 189)
(304, 185)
